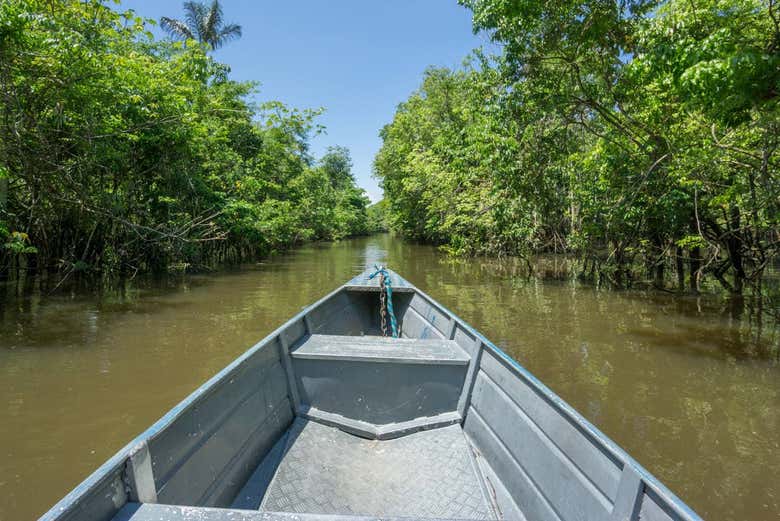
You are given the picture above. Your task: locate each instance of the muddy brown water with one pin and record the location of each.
(689, 387)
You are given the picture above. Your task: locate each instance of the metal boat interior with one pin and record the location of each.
(325, 419)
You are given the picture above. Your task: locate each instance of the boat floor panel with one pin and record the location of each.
(426, 474)
(154, 512)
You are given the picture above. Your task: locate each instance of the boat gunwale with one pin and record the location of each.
(603, 441)
(118, 460)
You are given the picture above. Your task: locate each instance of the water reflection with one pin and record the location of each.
(688, 386)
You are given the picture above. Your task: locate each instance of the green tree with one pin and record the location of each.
(641, 136)
(122, 154)
(337, 165)
(202, 22)
(377, 217)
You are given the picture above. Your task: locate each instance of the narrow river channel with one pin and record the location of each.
(689, 388)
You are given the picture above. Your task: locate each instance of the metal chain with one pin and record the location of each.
(383, 303)
(386, 300)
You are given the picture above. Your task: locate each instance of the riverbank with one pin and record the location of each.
(121, 154)
(681, 383)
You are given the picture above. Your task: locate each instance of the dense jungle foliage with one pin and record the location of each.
(641, 135)
(120, 153)
(377, 217)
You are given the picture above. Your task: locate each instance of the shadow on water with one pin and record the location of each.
(690, 386)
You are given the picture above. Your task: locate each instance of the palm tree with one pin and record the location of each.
(203, 23)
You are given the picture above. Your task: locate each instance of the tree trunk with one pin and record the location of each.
(734, 246)
(3, 196)
(4, 259)
(618, 281)
(695, 267)
(659, 275)
(680, 269)
(658, 262)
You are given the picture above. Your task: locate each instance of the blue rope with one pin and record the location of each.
(381, 270)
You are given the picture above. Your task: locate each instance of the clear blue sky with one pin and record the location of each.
(358, 59)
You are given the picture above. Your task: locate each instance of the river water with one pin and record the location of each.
(689, 387)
